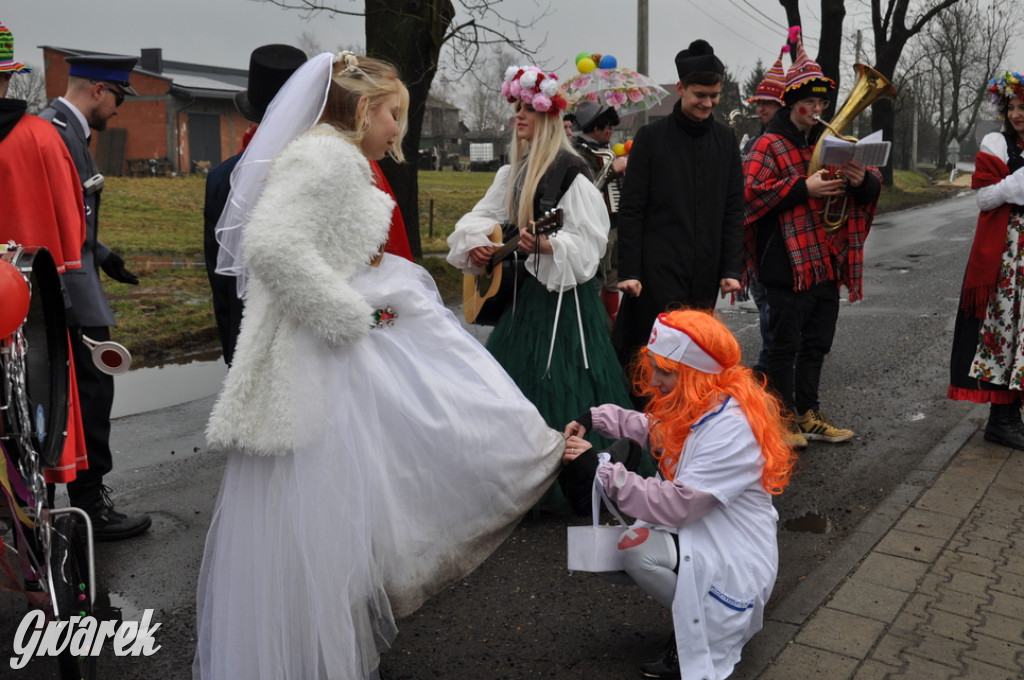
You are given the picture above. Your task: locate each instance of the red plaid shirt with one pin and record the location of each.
(771, 169)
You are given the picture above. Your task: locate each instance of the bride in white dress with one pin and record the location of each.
(376, 451)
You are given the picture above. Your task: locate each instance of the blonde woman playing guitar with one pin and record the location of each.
(554, 341)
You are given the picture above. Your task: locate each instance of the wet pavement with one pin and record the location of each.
(889, 511)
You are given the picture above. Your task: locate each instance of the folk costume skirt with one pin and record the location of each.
(987, 362)
(414, 456)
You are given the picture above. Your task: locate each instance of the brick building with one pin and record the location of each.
(183, 119)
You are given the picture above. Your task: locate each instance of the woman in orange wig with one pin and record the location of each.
(705, 541)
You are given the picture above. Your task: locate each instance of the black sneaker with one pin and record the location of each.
(665, 666)
(109, 524)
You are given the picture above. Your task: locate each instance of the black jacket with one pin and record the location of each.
(680, 220)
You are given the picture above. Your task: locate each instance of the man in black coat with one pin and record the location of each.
(270, 66)
(681, 214)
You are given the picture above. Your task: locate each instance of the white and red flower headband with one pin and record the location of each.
(536, 89)
(675, 344)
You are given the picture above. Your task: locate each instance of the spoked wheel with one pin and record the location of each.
(69, 564)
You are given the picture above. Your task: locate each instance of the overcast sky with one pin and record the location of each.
(223, 32)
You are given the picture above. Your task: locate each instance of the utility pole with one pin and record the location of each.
(913, 140)
(641, 47)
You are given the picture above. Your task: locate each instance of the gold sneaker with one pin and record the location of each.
(796, 440)
(814, 426)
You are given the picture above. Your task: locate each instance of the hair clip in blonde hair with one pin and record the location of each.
(351, 62)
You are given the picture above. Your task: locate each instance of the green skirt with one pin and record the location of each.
(522, 339)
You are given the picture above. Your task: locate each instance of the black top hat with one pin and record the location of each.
(269, 67)
(105, 67)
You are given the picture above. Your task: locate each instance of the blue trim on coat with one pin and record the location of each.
(730, 602)
(712, 414)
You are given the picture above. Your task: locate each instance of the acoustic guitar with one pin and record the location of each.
(485, 296)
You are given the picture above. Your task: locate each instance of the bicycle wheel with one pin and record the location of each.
(70, 588)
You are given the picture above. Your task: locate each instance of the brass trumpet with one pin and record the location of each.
(870, 86)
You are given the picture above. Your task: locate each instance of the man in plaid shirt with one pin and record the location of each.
(787, 248)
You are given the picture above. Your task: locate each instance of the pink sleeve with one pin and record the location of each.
(617, 422)
(654, 500)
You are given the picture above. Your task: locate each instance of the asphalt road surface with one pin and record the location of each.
(522, 615)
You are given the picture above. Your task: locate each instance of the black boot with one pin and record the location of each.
(665, 666)
(1005, 426)
(109, 524)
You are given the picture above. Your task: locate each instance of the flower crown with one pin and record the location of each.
(1007, 86)
(536, 89)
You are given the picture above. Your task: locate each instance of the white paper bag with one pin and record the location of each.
(596, 548)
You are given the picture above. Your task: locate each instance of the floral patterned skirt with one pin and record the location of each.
(999, 358)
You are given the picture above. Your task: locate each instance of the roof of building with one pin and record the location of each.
(186, 78)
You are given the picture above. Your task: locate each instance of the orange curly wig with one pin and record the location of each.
(673, 415)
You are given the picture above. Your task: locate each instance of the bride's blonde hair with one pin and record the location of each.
(353, 78)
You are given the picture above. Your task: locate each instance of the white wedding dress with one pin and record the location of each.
(415, 456)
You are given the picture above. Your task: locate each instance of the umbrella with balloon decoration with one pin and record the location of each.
(603, 81)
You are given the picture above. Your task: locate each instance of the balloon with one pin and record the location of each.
(15, 295)
(619, 149)
(586, 65)
(581, 55)
(628, 145)
(608, 61)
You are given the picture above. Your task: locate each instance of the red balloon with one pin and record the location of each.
(14, 298)
(628, 145)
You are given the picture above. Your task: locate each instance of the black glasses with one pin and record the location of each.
(118, 95)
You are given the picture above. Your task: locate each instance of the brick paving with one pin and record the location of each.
(930, 588)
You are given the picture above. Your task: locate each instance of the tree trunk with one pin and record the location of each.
(409, 33)
(882, 115)
(830, 43)
(792, 8)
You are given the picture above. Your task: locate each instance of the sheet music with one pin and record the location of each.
(872, 151)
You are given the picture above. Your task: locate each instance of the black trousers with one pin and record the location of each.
(802, 325)
(96, 394)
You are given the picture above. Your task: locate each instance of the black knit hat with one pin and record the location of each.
(699, 57)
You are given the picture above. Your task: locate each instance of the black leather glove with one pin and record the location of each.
(114, 267)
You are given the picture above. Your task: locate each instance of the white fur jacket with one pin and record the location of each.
(318, 220)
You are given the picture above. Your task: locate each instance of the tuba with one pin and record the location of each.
(870, 86)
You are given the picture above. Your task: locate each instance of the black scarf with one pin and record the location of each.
(690, 126)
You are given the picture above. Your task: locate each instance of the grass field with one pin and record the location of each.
(157, 225)
(451, 195)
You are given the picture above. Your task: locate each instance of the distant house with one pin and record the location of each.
(441, 125)
(183, 119)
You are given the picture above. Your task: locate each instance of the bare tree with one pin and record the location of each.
(410, 34)
(485, 109)
(31, 87)
(962, 48)
(891, 34)
(893, 24)
(308, 43)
